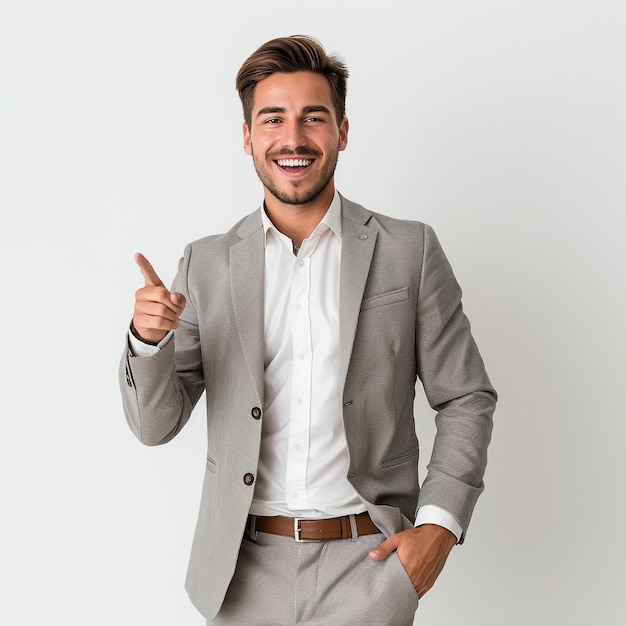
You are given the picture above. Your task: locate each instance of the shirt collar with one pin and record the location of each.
(332, 218)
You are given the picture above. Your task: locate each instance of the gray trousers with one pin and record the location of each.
(279, 581)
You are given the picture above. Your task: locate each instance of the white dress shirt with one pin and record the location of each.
(304, 456)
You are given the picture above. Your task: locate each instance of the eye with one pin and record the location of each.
(272, 121)
(314, 119)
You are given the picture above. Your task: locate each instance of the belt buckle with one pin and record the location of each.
(297, 530)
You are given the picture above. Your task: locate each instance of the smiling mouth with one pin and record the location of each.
(294, 164)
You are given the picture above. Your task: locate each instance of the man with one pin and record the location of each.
(307, 326)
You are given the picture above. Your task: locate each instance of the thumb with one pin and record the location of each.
(177, 299)
(384, 549)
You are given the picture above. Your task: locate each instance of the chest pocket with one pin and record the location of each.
(384, 299)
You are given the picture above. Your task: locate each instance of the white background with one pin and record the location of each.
(499, 123)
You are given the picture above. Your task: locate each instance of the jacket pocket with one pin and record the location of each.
(403, 457)
(391, 297)
(211, 465)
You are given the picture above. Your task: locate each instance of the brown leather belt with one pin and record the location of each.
(307, 530)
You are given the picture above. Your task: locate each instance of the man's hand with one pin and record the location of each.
(422, 551)
(156, 309)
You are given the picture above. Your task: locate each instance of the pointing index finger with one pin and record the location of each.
(147, 271)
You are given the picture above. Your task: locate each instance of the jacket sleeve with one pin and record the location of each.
(160, 391)
(457, 388)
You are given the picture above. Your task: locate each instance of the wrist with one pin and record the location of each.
(151, 342)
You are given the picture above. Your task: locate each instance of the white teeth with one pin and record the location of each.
(294, 162)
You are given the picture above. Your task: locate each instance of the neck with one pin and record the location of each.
(298, 221)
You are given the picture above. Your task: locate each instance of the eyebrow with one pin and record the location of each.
(316, 108)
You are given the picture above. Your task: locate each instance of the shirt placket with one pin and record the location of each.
(300, 422)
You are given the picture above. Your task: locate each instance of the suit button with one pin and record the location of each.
(256, 413)
(248, 479)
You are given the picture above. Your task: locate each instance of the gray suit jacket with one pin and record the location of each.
(401, 318)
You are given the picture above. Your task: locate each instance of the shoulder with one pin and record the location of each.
(245, 227)
(385, 224)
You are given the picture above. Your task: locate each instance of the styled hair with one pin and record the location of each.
(298, 53)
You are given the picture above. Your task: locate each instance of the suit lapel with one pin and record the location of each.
(246, 281)
(358, 241)
(246, 265)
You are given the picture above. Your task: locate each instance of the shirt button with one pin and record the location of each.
(248, 479)
(298, 307)
(256, 413)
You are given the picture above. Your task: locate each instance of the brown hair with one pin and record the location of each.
(298, 53)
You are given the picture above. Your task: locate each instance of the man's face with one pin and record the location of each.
(293, 137)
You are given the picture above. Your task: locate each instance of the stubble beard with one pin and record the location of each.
(296, 197)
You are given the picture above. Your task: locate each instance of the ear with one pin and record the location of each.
(344, 127)
(247, 140)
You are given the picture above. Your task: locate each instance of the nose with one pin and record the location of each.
(293, 135)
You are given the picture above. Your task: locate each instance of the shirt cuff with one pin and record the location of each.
(139, 348)
(432, 514)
